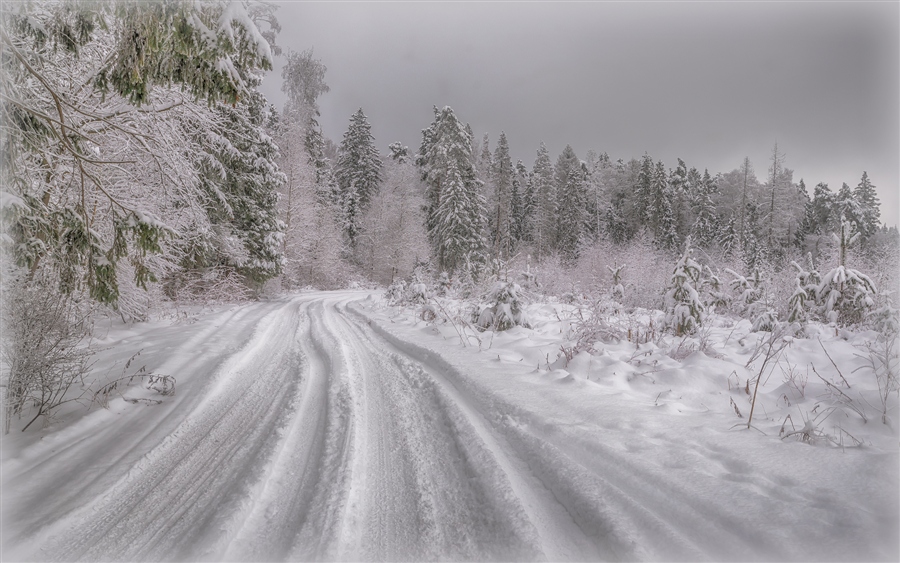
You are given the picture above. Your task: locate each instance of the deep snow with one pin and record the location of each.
(329, 425)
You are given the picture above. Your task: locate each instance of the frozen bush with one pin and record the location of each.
(45, 348)
(395, 292)
(504, 309)
(716, 297)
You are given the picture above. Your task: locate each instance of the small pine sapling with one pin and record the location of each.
(748, 291)
(715, 296)
(505, 309)
(683, 308)
(617, 291)
(845, 295)
(804, 294)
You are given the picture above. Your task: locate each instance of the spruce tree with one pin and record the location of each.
(845, 208)
(869, 212)
(821, 208)
(529, 204)
(706, 225)
(456, 212)
(244, 191)
(358, 172)
(546, 205)
(682, 304)
(502, 183)
(572, 196)
(516, 212)
(643, 192)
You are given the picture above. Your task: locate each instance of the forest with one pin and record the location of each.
(142, 169)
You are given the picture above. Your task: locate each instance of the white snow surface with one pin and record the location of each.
(328, 426)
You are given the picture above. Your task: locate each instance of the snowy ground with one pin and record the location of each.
(331, 426)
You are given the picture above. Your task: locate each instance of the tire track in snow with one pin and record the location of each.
(91, 466)
(374, 465)
(171, 504)
(543, 526)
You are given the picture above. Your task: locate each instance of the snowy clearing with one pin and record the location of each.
(330, 426)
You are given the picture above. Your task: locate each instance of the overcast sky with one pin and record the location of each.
(707, 82)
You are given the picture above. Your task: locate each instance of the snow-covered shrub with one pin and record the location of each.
(417, 292)
(45, 346)
(395, 292)
(845, 295)
(592, 323)
(766, 321)
(803, 295)
(617, 291)
(644, 283)
(528, 279)
(886, 319)
(443, 284)
(715, 296)
(682, 305)
(798, 305)
(883, 358)
(504, 308)
(748, 291)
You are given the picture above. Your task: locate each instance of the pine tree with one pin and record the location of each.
(456, 208)
(358, 172)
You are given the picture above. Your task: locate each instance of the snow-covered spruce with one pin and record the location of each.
(682, 304)
(504, 308)
(845, 295)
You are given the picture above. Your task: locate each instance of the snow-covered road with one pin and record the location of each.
(306, 428)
